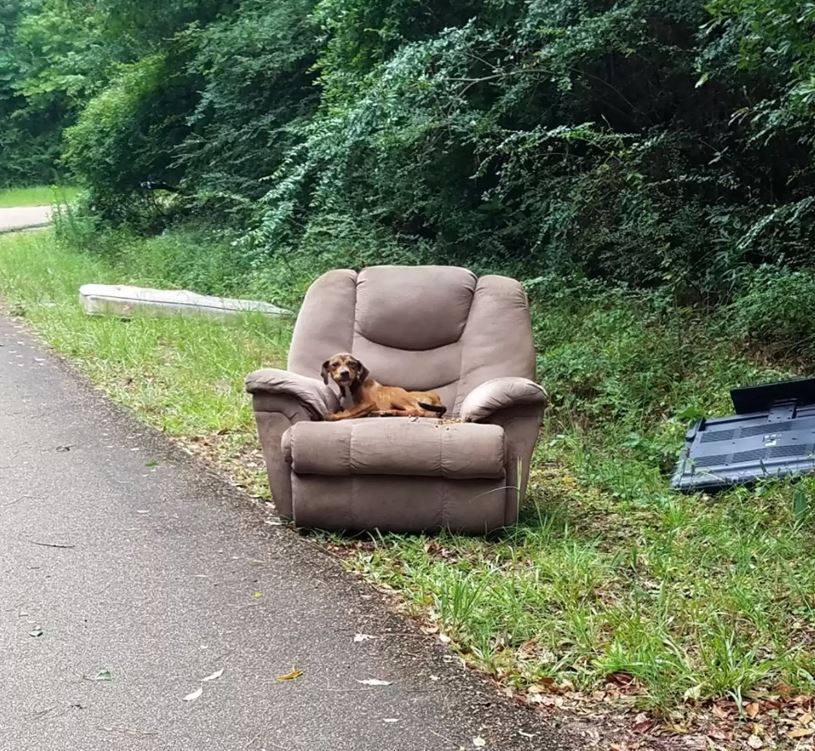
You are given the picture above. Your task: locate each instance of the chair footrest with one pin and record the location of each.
(394, 504)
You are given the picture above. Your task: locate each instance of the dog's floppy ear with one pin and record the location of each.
(324, 372)
(362, 373)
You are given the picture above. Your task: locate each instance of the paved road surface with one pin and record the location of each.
(22, 218)
(136, 564)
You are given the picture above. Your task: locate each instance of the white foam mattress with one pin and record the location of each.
(124, 300)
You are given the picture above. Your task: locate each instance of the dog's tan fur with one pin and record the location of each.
(369, 397)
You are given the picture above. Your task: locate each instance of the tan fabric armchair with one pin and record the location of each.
(426, 327)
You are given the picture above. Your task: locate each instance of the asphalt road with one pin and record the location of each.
(129, 573)
(23, 218)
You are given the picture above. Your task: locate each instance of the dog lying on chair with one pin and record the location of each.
(362, 395)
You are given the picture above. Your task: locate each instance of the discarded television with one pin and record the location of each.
(772, 434)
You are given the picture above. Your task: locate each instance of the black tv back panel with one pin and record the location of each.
(749, 399)
(772, 434)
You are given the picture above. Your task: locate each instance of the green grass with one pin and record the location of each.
(37, 195)
(182, 375)
(608, 573)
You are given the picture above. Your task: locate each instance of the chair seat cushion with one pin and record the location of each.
(395, 446)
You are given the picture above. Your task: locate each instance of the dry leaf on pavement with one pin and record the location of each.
(291, 675)
(374, 682)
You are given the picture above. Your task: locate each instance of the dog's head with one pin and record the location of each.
(344, 369)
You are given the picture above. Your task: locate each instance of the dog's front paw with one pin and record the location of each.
(335, 416)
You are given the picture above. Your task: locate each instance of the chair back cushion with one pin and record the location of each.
(419, 327)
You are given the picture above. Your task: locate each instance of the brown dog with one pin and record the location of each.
(362, 395)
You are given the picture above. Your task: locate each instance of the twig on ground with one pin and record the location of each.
(127, 731)
(49, 544)
(18, 500)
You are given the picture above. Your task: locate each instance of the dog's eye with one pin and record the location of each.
(335, 365)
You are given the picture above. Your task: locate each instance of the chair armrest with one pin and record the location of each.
(500, 393)
(516, 404)
(312, 394)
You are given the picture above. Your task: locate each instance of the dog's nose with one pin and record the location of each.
(344, 373)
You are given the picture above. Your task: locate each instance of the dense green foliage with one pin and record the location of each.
(641, 142)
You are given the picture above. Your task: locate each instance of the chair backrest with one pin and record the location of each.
(420, 327)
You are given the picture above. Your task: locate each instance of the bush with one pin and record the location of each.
(775, 311)
(640, 143)
(252, 103)
(125, 137)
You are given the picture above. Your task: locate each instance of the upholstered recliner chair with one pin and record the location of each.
(426, 327)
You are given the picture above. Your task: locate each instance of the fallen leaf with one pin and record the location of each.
(36, 632)
(805, 719)
(620, 678)
(543, 685)
(801, 732)
(548, 700)
(374, 682)
(293, 674)
(641, 723)
(528, 649)
(752, 709)
(693, 694)
(194, 695)
(390, 719)
(721, 713)
(103, 675)
(215, 675)
(362, 637)
(755, 742)
(479, 742)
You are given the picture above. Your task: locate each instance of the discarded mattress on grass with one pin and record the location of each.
(124, 300)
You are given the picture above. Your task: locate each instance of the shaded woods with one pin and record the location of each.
(646, 143)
